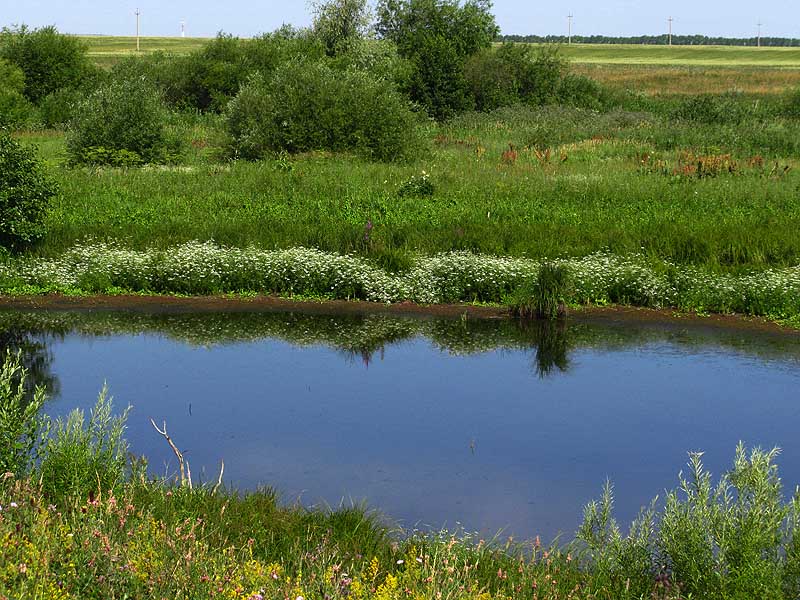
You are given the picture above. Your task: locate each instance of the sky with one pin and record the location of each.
(245, 18)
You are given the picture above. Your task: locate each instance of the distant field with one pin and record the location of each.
(107, 50)
(716, 56)
(688, 80)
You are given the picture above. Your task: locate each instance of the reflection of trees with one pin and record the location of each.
(551, 340)
(36, 357)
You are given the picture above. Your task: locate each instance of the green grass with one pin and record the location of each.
(107, 50)
(599, 197)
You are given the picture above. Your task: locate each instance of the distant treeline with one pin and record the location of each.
(677, 40)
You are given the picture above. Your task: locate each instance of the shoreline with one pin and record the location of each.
(608, 315)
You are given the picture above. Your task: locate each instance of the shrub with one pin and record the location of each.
(49, 60)
(25, 191)
(19, 416)
(58, 108)
(736, 539)
(15, 109)
(791, 104)
(515, 73)
(724, 109)
(122, 118)
(581, 91)
(78, 458)
(314, 107)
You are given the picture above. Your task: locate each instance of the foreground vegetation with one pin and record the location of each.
(76, 521)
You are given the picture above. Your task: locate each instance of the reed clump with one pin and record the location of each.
(546, 297)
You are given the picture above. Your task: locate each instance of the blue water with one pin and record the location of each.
(432, 438)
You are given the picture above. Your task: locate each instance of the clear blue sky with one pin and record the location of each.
(732, 18)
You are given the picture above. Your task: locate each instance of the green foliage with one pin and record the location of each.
(15, 109)
(57, 109)
(620, 563)
(208, 78)
(79, 458)
(515, 73)
(379, 58)
(417, 187)
(735, 540)
(25, 193)
(438, 36)
(726, 109)
(121, 119)
(581, 91)
(308, 107)
(19, 416)
(340, 23)
(726, 541)
(791, 104)
(546, 297)
(49, 60)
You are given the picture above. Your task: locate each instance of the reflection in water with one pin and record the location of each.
(441, 426)
(36, 357)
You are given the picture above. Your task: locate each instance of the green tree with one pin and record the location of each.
(438, 36)
(14, 107)
(25, 192)
(340, 23)
(50, 60)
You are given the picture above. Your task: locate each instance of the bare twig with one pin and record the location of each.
(219, 481)
(183, 464)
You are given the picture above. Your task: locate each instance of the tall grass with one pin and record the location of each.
(577, 186)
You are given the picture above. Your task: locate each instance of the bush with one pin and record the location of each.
(19, 416)
(515, 73)
(717, 110)
(58, 109)
(580, 91)
(25, 191)
(791, 104)
(308, 107)
(78, 458)
(49, 60)
(15, 109)
(123, 118)
(737, 539)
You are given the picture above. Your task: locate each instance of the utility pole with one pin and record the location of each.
(670, 30)
(759, 33)
(569, 28)
(137, 13)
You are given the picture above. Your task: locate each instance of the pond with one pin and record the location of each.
(485, 425)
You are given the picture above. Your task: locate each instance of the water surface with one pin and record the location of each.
(485, 425)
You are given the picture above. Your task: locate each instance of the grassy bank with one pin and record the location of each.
(78, 521)
(579, 182)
